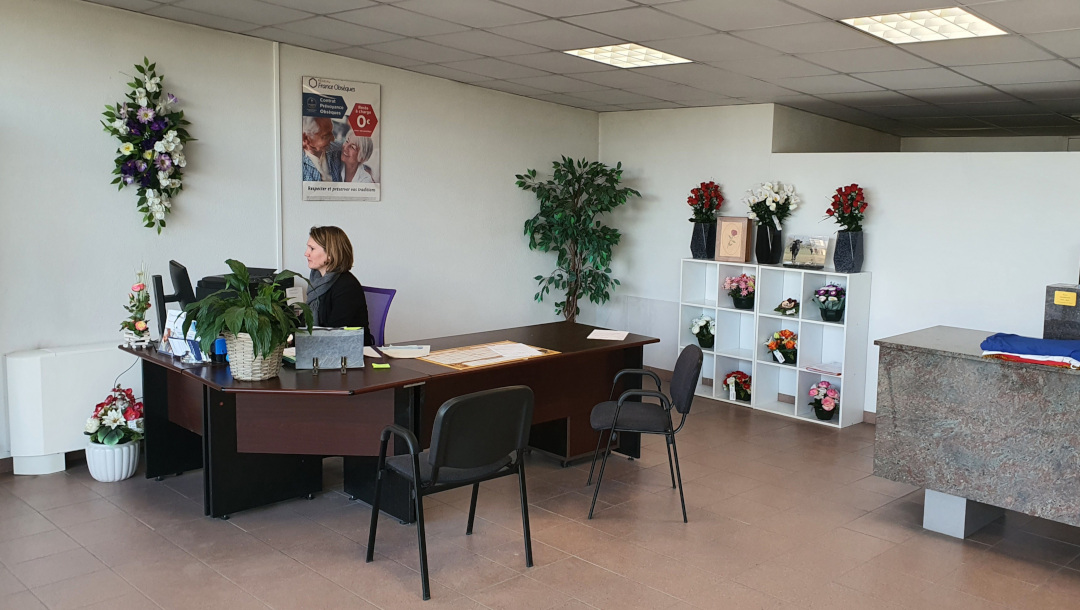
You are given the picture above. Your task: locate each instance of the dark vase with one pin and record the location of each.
(743, 302)
(706, 341)
(770, 246)
(832, 315)
(703, 240)
(789, 356)
(822, 414)
(848, 256)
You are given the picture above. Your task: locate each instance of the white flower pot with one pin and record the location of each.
(112, 463)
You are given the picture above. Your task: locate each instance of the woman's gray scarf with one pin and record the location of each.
(320, 285)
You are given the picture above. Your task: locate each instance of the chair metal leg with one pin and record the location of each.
(472, 508)
(600, 477)
(525, 514)
(420, 535)
(667, 442)
(599, 440)
(678, 474)
(374, 518)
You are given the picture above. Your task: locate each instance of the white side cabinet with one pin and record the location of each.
(741, 336)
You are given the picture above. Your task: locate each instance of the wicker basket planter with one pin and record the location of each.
(245, 364)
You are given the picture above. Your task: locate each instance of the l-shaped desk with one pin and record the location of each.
(262, 442)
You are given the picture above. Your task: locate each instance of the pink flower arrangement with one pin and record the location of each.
(824, 396)
(138, 304)
(741, 286)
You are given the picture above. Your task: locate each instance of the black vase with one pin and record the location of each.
(706, 341)
(770, 246)
(743, 302)
(703, 240)
(822, 414)
(832, 315)
(848, 256)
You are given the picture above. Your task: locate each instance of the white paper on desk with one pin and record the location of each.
(406, 351)
(514, 350)
(608, 335)
(488, 361)
(370, 352)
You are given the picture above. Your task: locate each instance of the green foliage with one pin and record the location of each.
(566, 224)
(265, 315)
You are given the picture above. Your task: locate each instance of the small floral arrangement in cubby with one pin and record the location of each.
(788, 307)
(784, 346)
(825, 400)
(741, 290)
(704, 328)
(737, 385)
(830, 300)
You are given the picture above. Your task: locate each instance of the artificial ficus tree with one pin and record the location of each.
(566, 224)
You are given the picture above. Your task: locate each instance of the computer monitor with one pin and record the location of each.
(184, 295)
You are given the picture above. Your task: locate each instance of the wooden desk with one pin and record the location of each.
(262, 442)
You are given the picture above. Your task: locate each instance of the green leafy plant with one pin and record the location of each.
(566, 224)
(264, 314)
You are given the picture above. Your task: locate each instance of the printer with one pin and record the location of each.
(213, 283)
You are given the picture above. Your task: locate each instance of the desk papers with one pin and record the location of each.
(488, 354)
(608, 335)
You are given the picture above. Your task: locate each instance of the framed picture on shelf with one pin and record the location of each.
(732, 239)
(805, 252)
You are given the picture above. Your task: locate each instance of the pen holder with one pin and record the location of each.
(314, 366)
(344, 365)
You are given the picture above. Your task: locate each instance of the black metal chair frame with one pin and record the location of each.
(669, 432)
(419, 490)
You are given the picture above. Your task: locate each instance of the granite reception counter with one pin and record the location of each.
(979, 434)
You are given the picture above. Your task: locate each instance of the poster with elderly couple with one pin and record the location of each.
(340, 140)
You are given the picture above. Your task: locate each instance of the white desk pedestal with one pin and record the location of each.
(955, 516)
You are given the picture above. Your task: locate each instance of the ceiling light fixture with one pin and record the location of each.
(923, 26)
(628, 55)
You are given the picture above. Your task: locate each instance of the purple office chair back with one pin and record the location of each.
(378, 304)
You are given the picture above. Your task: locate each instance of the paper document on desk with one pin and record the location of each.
(514, 350)
(460, 356)
(399, 351)
(495, 360)
(608, 335)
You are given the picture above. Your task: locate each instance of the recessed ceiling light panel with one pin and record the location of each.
(923, 26)
(628, 55)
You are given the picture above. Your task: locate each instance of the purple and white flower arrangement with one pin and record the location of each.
(152, 135)
(830, 297)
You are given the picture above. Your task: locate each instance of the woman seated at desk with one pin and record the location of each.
(335, 296)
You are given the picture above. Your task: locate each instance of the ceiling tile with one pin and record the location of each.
(1024, 72)
(376, 57)
(494, 68)
(811, 38)
(878, 59)
(460, 76)
(652, 106)
(916, 79)
(209, 21)
(560, 63)
(564, 99)
(567, 8)
(713, 47)
(484, 43)
(991, 109)
(729, 15)
(323, 7)
(338, 31)
(835, 83)
(473, 13)
(1046, 131)
(557, 83)
(726, 101)
(508, 87)
(958, 95)
(244, 10)
(556, 35)
(614, 96)
(1044, 91)
(1065, 43)
(845, 9)
(907, 111)
(295, 39)
(679, 93)
(950, 123)
(128, 5)
(771, 68)
(1069, 106)
(972, 51)
(422, 50)
(623, 79)
(639, 24)
(1031, 16)
(399, 21)
(603, 108)
(869, 99)
(714, 79)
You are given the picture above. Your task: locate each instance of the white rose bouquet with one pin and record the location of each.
(117, 419)
(771, 203)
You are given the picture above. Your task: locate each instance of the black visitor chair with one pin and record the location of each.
(476, 437)
(625, 415)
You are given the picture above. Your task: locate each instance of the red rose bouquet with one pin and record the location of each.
(848, 207)
(117, 419)
(737, 383)
(705, 201)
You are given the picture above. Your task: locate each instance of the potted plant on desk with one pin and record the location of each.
(256, 322)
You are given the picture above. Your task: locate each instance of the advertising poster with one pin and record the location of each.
(340, 140)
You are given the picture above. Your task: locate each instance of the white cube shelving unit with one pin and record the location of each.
(741, 336)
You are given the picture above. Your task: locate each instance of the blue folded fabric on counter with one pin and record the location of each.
(1015, 344)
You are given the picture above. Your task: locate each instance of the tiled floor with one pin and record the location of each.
(783, 515)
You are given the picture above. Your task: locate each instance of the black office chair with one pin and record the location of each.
(648, 418)
(475, 438)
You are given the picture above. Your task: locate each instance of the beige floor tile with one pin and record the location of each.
(95, 509)
(742, 509)
(573, 537)
(940, 597)
(512, 555)
(9, 584)
(981, 581)
(23, 600)
(599, 587)
(780, 581)
(929, 556)
(881, 582)
(130, 601)
(34, 546)
(23, 524)
(885, 486)
(1024, 545)
(56, 567)
(168, 583)
(883, 527)
(522, 593)
(84, 590)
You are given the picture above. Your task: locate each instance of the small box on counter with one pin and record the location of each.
(1062, 318)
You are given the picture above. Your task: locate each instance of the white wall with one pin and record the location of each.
(799, 131)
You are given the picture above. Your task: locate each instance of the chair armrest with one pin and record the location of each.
(664, 401)
(396, 430)
(641, 372)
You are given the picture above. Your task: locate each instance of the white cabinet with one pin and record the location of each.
(741, 336)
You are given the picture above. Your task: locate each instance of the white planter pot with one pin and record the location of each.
(112, 463)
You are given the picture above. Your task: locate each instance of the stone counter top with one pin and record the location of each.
(957, 343)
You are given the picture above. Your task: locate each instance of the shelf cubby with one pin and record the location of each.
(803, 409)
(725, 365)
(699, 285)
(769, 326)
(775, 388)
(726, 270)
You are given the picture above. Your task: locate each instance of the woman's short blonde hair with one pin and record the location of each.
(339, 254)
